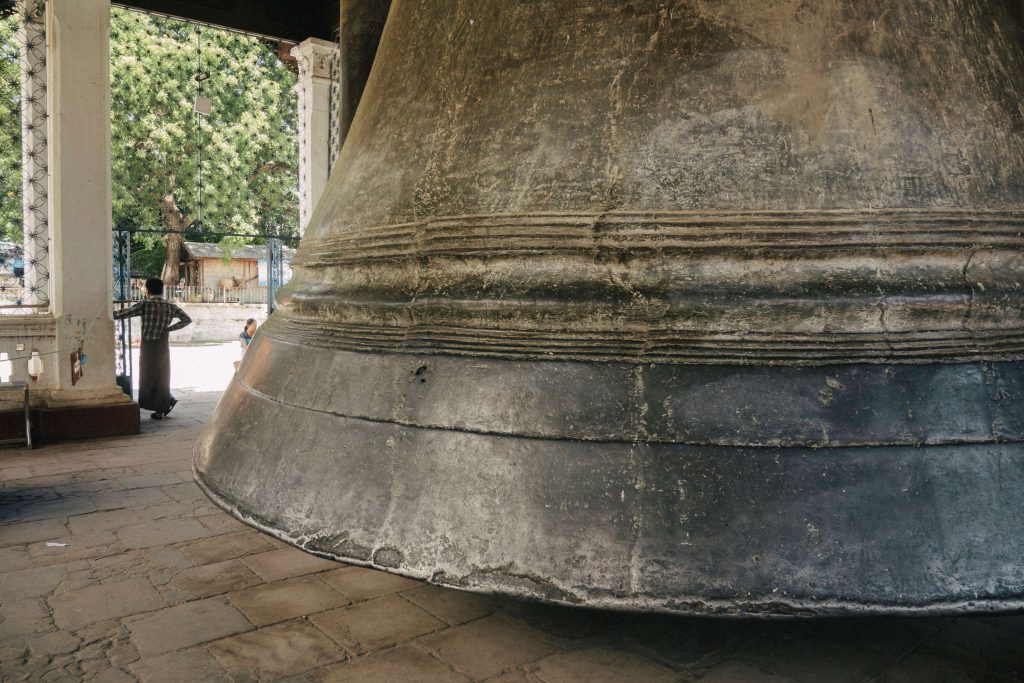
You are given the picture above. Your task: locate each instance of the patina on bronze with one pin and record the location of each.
(708, 307)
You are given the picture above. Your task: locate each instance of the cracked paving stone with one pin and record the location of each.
(105, 601)
(358, 584)
(183, 626)
(15, 557)
(222, 521)
(454, 607)
(159, 565)
(377, 623)
(194, 664)
(226, 547)
(57, 508)
(20, 534)
(23, 617)
(183, 491)
(516, 676)
(210, 579)
(284, 563)
(282, 650)
(84, 546)
(601, 666)
(53, 644)
(162, 532)
(737, 672)
(405, 663)
(134, 498)
(107, 520)
(286, 599)
(488, 646)
(30, 583)
(142, 481)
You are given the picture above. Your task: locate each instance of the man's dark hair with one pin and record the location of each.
(155, 286)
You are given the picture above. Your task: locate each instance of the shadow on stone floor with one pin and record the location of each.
(969, 648)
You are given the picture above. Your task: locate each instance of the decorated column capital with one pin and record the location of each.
(314, 58)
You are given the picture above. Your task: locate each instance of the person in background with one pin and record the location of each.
(154, 350)
(246, 337)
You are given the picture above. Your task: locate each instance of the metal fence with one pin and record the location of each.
(206, 295)
(24, 177)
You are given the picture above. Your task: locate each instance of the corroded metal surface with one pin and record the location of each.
(688, 306)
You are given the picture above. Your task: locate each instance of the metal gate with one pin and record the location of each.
(125, 296)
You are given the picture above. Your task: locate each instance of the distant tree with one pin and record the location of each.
(249, 140)
(10, 130)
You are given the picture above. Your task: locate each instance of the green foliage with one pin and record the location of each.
(10, 132)
(249, 150)
(250, 141)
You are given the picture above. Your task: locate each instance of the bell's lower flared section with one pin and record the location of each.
(551, 493)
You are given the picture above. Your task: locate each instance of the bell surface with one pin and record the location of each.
(710, 306)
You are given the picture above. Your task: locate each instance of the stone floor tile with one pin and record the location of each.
(813, 659)
(936, 666)
(57, 508)
(107, 520)
(175, 509)
(83, 546)
(20, 534)
(192, 665)
(283, 563)
(134, 498)
(162, 532)
(30, 583)
(210, 579)
(185, 491)
(452, 606)
(519, 676)
(195, 665)
(112, 675)
(141, 481)
(358, 584)
(488, 646)
(282, 650)
(598, 665)
(377, 623)
(405, 663)
(14, 557)
(53, 643)
(737, 672)
(221, 520)
(12, 656)
(159, 565)
(283, 600)
(183, 626)
(23, 617)
(226, 547)
(105, 601)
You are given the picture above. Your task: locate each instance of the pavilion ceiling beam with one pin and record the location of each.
(280, 19)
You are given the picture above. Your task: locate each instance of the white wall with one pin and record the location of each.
(213, 322)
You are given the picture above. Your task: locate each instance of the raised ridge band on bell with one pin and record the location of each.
(665, 232)
(654, 345)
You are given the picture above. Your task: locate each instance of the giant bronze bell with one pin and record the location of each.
(705, 306)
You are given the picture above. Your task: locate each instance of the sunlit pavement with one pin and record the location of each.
(115, 567)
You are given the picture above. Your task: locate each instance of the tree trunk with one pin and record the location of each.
(176, 223)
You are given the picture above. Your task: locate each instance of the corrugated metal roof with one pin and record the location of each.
(246, 253)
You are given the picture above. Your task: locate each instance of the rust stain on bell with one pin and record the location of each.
(705, 306)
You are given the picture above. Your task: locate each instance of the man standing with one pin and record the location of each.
(155, 354)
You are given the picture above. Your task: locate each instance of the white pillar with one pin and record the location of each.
(33, 154)
(78, 55)
(314, 99)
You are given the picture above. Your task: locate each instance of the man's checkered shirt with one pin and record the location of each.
(156, 317)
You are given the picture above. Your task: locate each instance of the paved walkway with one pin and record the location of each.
(115, 567)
